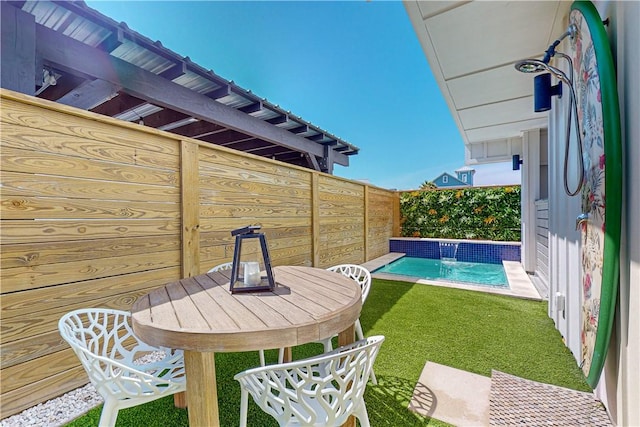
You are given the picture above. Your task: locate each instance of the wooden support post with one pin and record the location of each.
(190, 223)
(315, 220)
(189, 172)
(366, 224)
(396, 215)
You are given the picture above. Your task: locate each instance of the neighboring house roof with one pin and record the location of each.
(466, 169)
(452, 181)
(88, 53)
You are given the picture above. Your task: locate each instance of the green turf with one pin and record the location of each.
(473, 331)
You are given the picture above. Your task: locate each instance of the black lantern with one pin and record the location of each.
(251, 269)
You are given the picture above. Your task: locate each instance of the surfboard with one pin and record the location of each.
(599, 122)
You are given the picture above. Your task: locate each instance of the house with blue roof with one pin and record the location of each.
(464, 178)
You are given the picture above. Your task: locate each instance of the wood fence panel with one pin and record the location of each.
(96, 212)
(381, 212)
(238, 190)
(46, 275)
(81, 190)
(90, 217)
(341, 215)
(45, 321)
(35, 370)
(20, 304)
(56, 119)
(39, 254)
(31, 348)
(42, 390)
(70, 145)
(44, 164)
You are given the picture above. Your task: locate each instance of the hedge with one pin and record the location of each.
(486, 213)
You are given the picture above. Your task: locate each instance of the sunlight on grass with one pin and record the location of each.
(467, 330)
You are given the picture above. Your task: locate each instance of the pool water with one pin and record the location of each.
(452, 271)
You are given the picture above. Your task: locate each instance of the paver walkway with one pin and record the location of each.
(456, 397)
(516, 401)
(464, 399)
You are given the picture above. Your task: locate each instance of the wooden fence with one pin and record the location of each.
(96, 212)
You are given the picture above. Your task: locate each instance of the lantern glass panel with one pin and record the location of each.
(251, 270)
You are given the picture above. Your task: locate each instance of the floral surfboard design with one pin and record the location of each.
(599, 121)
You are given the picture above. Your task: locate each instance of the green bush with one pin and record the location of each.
(485, 213)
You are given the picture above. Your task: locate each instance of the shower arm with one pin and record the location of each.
(572, 30)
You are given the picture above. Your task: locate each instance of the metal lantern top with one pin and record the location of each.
(246, 274)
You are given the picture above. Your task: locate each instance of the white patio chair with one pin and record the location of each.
(363, 277)
(221, 267)
(228, 266)
(114, 359)
(319, 391)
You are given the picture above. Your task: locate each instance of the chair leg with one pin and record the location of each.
(372, 377)
(362, 415)
(359, 333)
(328, 346)
(261, 354)
(109, 414)
(244, 403)
(360, 336)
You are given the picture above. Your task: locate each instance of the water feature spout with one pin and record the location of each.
(448, 251)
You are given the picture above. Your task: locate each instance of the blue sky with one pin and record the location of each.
(352, 68)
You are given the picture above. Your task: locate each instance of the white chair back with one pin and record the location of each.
(114, 359)
(363, 277)
(357, 273)
(320, 391)
(221, 267)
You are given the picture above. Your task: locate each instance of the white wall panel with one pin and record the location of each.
(564, 245)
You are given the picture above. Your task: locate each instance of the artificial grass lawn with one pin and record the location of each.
(472, 331)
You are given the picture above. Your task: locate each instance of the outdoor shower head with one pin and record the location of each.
(543, 91)
(537, 66)
(531, 66)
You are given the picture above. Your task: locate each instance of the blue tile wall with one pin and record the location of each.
(416, 248)
(491, 253)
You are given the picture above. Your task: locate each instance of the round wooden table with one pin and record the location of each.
(201, 316)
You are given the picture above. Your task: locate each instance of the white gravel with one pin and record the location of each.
(56, 412)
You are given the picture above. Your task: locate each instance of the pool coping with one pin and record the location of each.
(520, 285)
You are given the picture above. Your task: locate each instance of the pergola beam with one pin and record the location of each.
(90, 94)
(73, 55)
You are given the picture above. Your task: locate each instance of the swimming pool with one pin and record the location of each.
(476, 273)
